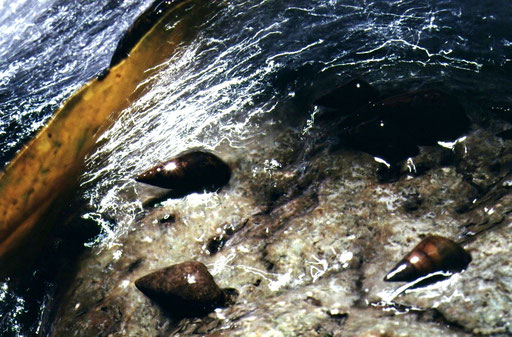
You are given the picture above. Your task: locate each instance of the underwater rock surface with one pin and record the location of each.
(308, 247)
(304, 230)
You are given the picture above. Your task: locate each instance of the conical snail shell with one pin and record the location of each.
(185, 290)
(195, 171)
(434, 253)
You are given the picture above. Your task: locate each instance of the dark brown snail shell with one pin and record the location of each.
(195, 171)
(185, 290)
(433, 254)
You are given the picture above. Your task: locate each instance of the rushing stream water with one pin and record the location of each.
(256, 64)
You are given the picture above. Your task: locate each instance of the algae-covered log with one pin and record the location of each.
(50, 165)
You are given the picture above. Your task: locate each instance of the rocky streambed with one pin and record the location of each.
(305, 233)
(319, 190)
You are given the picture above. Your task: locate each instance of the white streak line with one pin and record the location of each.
(296, 51)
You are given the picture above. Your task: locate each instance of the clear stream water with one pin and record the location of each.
(257, 63)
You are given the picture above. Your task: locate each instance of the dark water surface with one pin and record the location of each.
(257, 63)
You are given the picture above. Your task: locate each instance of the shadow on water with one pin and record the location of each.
(29, 306)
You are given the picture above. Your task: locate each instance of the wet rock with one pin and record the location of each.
(412, 203)
(308, 257)
(388, 173)
(374, 324)
(216, 243)
(478, 160)
(349, 97)
(168, 219)
(433, 254)
(393, 128)
(465, 200)
(104, 319)
(185, 290)
(134, 265)
(195, 171)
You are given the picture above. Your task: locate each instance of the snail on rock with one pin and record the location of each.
(195, 171)
(433, 254)
(185, 290)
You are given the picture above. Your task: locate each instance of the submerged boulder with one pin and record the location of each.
(393, 128)
(185, 290)
(349, 96)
